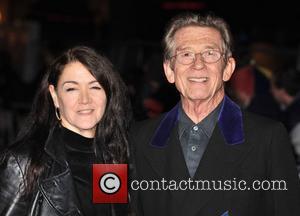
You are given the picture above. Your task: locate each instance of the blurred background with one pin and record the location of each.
(33, 32)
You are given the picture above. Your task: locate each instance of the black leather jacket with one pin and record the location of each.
(54, 195)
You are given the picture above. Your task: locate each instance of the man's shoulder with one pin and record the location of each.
(148, 124)
(144, 130)
(261, 124)
(259, 120)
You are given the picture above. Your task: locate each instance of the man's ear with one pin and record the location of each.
(53, 95)
(169, 72)
(229, 69)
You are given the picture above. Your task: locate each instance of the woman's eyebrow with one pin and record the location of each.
(77, 83)
(70, 81)
(94, 81)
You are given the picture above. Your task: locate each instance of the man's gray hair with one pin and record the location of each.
(190, 19)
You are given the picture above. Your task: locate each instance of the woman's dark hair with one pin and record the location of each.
(111, 140)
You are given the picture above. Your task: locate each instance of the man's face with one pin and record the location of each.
(279, 94)
(199, 81)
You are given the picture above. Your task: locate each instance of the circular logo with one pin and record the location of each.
(109, 183)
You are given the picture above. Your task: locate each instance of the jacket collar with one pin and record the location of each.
(54, 146)
(230, 122)
(58, 178)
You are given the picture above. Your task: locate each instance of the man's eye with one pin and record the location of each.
(211, 52)
(187, 54)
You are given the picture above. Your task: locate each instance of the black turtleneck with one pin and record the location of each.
(80, 157)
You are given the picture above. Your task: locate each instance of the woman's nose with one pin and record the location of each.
(84, 96)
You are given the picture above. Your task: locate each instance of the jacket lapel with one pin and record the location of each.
(219, 159)
(65, 203)
(58, 178)
(176, 168)
(218, 163)
(167, 158)
(224, 151)
(212, 167)
(230, 122)
(230, 125)
(157, 150)
(169, 164)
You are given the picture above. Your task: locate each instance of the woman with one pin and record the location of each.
(80, 116)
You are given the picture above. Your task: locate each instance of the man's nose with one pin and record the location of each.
(198, 61)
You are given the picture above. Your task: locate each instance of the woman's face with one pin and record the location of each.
(80, 98)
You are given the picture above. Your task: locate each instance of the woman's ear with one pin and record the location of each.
(229, 69)
(169, 72)
(53, 95)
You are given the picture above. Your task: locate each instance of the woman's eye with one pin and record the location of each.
(70, 89)
(96, 87)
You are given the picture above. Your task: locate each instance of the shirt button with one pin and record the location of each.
(195, 128)
(194, 148)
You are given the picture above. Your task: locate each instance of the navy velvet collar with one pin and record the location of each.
(230, 123)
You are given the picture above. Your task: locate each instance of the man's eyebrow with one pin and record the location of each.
(180, 48)
(209, 46)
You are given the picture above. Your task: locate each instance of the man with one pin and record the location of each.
(286, 90)
(206, 156)
(250, 84)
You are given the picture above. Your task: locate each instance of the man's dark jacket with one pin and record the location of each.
(247, 168)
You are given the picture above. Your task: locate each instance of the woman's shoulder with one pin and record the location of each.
(13, 162)
(15, 157)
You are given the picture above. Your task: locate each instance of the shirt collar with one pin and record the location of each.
(230, 122)
(207, 124)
